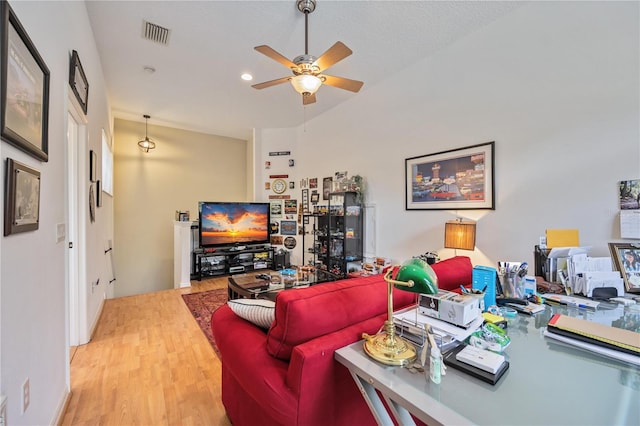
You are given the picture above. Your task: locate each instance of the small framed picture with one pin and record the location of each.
(626, 258)
(326, 187)
(288, 227)
(276, 208)
(98, 193)
(93, 166)
(22, 198)
(78, 81)
(315, 197)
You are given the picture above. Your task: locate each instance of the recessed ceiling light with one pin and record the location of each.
(246, 77)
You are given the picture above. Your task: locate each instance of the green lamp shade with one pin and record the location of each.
(422, 275)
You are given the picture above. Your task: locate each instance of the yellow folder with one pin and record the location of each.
(562, 238)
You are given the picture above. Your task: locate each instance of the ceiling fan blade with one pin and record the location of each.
(342, 83)
(268, 51)
(270, 83)
(335, 53)
(309, 99)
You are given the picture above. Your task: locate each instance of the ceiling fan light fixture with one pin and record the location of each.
(306, 84)
(146, 144)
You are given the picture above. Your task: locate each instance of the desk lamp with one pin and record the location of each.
(416, 276)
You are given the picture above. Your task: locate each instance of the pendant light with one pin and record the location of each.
(146, 144)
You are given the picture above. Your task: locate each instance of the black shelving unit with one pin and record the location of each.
(337, 234)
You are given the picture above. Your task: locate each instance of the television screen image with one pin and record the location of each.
(227, 224)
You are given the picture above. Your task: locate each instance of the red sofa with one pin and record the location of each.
(287, 375)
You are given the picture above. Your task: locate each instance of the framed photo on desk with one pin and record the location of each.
(626, 258)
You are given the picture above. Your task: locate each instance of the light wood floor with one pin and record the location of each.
(147, 364)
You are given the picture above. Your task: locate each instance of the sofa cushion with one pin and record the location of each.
(453, 272)
(257, 311)
(304, 314)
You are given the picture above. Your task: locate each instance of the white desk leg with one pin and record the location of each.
(400, 413)
(373, 400)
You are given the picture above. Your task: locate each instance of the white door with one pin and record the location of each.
(76, 256)
(72, 227)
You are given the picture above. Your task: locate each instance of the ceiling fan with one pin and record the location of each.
(308, 71)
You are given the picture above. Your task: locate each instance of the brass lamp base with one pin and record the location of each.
(388, 348)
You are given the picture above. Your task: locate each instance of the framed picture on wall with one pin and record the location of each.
(22, 198)
(288, 227)
(25, 89)
(315, 197)
(326, 187)
(98, 193)
(78, 81)
(458, 179)
(276, 208)
(93, 166)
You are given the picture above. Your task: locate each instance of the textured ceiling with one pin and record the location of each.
(197, 83)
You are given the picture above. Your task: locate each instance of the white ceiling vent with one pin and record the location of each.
(155, 33)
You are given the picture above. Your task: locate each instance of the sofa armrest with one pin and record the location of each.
(325, 388)
(243, 352)
(454, 272)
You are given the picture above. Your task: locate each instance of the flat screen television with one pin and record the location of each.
(230, 224)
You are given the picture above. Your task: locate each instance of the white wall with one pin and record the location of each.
(186, 167)
(33, 291)
(554, 84)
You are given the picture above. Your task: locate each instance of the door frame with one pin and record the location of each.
(76, 223)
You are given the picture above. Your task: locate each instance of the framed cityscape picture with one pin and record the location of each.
(457, 179)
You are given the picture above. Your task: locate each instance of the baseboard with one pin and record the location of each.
(96, 321)
(62, 409)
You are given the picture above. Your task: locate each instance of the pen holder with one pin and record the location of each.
(512, 284)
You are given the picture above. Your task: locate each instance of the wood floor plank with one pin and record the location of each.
(147, 364)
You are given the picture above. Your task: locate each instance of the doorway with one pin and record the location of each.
(75, 223)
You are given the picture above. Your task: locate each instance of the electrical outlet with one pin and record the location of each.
(26, 395)
(3, 410)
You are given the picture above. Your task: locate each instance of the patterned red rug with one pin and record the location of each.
(202, 306)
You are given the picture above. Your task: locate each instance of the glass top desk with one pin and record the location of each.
(548, 382)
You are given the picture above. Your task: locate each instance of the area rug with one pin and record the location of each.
(201, 305)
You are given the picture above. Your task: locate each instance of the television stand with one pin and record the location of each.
(232, 260)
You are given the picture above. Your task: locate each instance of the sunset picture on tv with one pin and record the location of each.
(233, 223)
